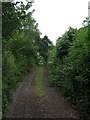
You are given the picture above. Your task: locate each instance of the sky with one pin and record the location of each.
(56, 16)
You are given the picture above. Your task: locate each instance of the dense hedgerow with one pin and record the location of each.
(69, 68)
(15, 60)
(22, 46)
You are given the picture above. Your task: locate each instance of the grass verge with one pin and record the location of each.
(38, 85)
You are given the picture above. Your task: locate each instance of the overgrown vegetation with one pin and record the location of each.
(69, 67)
(22, 49)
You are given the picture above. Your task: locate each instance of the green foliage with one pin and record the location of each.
(9, 80)
(70, 68)
(68, 61)
(44, 45)
(22, 46)
(63, 43)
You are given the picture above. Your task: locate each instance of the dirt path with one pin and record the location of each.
(28, 104)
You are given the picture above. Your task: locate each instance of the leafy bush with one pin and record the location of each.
(22, 46)
(19, 51)
(70, 68)
(9, 76)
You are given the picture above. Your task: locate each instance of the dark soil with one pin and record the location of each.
(27, 104)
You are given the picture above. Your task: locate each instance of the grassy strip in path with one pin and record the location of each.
(38, 85)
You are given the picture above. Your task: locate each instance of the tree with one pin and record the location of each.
(64, 43)
(19, 48)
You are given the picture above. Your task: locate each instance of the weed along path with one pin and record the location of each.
(35, 99)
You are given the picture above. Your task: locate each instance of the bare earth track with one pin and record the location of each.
(27, 104)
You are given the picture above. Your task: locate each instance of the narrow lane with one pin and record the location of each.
(35, 99)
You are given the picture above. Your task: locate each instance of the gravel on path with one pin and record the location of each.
(27, 104)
